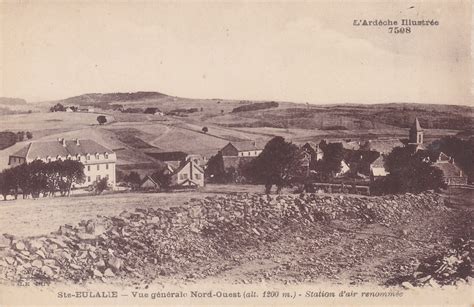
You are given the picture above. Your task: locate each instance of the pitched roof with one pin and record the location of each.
(449, 169)
(152, 179)
(56, 148)
(183, 165)
(416, 125)
(385, 146)
(23, 152)
(442, 157)
(379, 162)
(246, 145)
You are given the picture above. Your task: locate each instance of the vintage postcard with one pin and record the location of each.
(196, 153)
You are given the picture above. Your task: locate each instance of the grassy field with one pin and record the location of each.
(47, 214)
(130, 134)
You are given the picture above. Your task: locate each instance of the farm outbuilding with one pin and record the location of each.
(150, 183)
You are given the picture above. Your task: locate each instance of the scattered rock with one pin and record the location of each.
(109, 273)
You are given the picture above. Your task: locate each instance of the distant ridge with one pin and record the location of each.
(12, 101)
(98, 98)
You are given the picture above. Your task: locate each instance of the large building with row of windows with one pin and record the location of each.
(99, 161)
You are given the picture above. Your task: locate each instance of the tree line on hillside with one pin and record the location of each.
(256, 106)
(38, 177)
(9, 138)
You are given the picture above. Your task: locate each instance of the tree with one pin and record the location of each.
(37, 178)
(330, 164)
(215, 171)
(163, 177)
(57, 108)
(410, 172)
(20, 136)
(12, 180)
(101, 185)
(5, 186)
(53, 176)
(101, 119)
(133, 179)
(280, 164)
(29, 135)
(71, 172)
(205, 129)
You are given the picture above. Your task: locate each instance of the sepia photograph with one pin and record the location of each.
(197, 153)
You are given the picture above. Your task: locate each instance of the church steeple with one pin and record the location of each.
(416, 133)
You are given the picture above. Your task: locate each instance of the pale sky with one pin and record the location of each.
(302, 52)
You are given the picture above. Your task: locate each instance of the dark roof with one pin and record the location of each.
(449, 169)
(56, 148)
(246, 146)
(153, 179)
(183, 165)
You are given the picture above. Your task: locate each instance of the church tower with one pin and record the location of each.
(416, 133)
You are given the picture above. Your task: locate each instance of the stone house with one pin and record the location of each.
(452, 173)
(241, 149)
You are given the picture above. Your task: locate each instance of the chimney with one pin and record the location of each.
(77, 142)
(63, 142)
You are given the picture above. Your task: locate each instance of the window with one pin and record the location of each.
(88, 157)
(107, 166)
(183, 176)
(106, 155)
(88, 178)
(98, 167)
(97, 178)
(197, 176)
(88, 168)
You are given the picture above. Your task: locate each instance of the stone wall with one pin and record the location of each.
(171, 239)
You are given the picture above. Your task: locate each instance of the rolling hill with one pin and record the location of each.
(131, 135)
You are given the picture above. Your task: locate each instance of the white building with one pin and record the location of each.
(99, 161)
(188, 174)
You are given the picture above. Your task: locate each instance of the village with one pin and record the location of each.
(319, 167)
(122, 186)
(236, 152)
